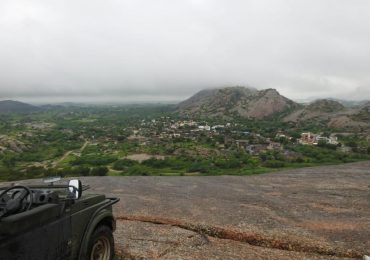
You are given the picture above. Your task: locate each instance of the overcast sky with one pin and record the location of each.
(121, 50)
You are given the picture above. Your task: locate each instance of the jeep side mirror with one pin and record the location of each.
(75, 187)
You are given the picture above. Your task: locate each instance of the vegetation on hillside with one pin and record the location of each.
(152, 140)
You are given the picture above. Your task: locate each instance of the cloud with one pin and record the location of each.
(93, 49)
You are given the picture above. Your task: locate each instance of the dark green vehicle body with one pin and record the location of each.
(59, 229)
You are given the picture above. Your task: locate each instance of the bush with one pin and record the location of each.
(9, 160)
(94, 160)
(273, 164)
(299, 160)
(175, 163)
(10, 175)
(202, 167)
(124, 164)
(99, 171)
(81, 170)
(228, 164)
(139, 170)
(34, 172)
(70, 171)
(155, 163)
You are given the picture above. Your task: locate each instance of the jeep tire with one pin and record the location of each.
(101, 244)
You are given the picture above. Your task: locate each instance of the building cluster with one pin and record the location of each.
(161, 130)
(222, 135)
(314, 139)
(261, 145)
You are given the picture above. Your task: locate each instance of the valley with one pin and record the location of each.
(183, 139)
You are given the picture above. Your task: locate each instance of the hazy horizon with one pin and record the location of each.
(144, 100)
(149, 51)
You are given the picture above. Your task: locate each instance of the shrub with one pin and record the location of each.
(299, 160)
(94, 159)
(155, 163)
(81, 170)
(202, 167)
(273, 164)
(99, 171)
(138, 170)
(228, 164)
(124, 164)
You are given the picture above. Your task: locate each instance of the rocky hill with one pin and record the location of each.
(261, 104)
(325, 105)
(321, 109)
(236, 101)
(363, 114)
(10, 106)
(333, 114)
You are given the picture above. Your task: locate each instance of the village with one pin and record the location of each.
(223, 136)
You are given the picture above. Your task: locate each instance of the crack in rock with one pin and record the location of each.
(168, 250)
(155, 241)
(252, 238)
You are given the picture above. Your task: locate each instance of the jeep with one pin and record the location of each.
(53, 222)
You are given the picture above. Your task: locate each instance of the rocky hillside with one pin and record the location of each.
(321, 109)
(10, 106)
(363, 114)
(236, 101)
(333, 114)
(261, 104)
(325, 106)
(10, 144)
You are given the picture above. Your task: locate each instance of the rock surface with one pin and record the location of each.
(309, 213)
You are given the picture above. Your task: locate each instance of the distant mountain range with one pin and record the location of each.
(248, 102)
(10, 106)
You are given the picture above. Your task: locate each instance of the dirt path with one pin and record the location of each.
(84, 146)
(66, 154)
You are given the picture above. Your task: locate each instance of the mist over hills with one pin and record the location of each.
(248, 102)
(10, 106)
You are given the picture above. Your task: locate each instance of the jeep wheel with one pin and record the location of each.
(101, 244)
